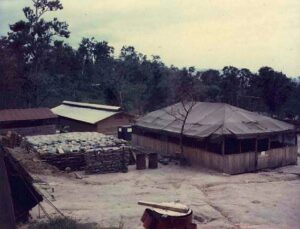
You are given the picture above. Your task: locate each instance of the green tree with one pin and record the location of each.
(275, 87)
(211, 81)
(230, 85)
(34, 39)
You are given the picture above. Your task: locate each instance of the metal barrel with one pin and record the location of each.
(140, 161)
(153, 161)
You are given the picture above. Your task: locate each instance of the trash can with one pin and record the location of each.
(153, 161)
(140, 161)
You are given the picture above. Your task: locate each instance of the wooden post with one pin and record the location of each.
(256, 145)
(223, 146)
(223, 153)
(269, 143)
(240, 146)
(7, 217)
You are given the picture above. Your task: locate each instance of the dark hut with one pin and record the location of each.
(219, 136)
(22, 192)
(31, 121)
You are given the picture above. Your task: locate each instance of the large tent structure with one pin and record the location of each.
(218, 135)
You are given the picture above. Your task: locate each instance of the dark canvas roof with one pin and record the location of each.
(26, 114)
(212, 119)
(23, 193)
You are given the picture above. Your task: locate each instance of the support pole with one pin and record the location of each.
(223, 153)
(7, 217)
(223, 146)
(256, 144)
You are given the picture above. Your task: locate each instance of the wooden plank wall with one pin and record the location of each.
(239, 163)
(197, 157)
(202, 158)
(111, 124)
(231, 164)
(34, 130)
(277, 157)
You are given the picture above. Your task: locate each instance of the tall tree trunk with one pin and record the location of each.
(181, 134)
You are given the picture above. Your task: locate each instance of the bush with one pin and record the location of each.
(64, 223)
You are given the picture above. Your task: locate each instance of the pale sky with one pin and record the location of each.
(200, 33)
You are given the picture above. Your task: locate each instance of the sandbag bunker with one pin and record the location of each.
(90, 151)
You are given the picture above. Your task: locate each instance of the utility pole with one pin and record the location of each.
(7, 217)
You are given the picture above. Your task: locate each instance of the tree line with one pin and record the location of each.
(39, 68)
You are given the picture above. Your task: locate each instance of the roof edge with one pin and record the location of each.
(92, 106)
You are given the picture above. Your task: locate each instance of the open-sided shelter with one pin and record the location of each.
(89, 117)
(219, 136)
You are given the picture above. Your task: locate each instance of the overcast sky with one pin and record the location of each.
(200, 33)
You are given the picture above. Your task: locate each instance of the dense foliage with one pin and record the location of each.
(37, 68)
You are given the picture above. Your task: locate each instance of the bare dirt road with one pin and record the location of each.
(269, 199)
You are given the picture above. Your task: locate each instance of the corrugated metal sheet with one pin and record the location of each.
(26, 114)
(83, 114)
(208, 119)
(92, 105)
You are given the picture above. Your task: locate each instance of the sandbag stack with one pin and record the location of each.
(90, 151)
(107, 160)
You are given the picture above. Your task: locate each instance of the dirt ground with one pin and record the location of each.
(269, 199)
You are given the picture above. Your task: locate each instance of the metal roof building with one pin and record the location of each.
(91, 117)
(11, 115)
(218, 136)
(29, 121)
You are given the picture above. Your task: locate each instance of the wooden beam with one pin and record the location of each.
(7, 217)
(168, 207)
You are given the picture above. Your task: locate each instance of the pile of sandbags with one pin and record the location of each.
(67, 161)
(89, 151)
(71, 142)
(107, 160)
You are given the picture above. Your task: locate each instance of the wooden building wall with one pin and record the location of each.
(33, 130)
(30, 127)
(197, 157)
(107, 126)
(111, 124)
(76, 126)
(274, 158)
(231, 163)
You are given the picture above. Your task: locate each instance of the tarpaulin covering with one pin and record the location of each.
(212, 119)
